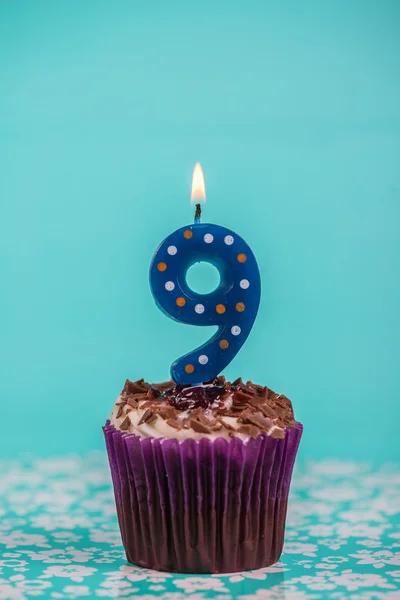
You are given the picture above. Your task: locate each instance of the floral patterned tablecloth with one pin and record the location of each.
(59, 538)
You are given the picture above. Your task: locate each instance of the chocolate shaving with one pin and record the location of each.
(246, 389)
(119, 412)
(153, 393)
(196, 412)
(254, 431)
(216, 426)
(174, 423)
(203, 420)
(147, 404)
(245, 429)
(167, 412)
(135, 387)
(199, 427)
(256, 401)
(235, 409)
(251, 430)
(286, 402)
(241, 398)
(278, 433)
(125, 424)
(257, 419)
(267, 411)
(132, 401)
(280, 411)
(259, 389)
(162, 387)
(147, 416)
(226, 425)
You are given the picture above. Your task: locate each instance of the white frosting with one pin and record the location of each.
(159, 428)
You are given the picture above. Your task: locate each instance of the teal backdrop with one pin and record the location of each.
(293, 109)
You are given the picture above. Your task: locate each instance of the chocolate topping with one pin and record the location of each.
(278, 433)
(174, 423)
(132, 401)
(226, 425)
(246, 429)
(204, 408)
(135, 387)
(147, 416)
(161, 387)
(153, 393)
(267, 411)
(257, 419)
(167, 412)
(216, 426)
(240, 398)
(125, 424)
(199, 427)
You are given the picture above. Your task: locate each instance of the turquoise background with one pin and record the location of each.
(293, 109)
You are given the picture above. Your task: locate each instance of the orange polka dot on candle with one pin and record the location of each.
(162, 266)
(189, 368)
(188, 234)
(224, 344)
(240, 307)
(180, 301)
(220, 308)
(242, 258)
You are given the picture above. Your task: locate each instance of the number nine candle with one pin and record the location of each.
(233, 306)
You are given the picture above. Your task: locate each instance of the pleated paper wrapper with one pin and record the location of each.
(202, 506)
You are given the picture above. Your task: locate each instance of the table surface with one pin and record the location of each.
(59, 538)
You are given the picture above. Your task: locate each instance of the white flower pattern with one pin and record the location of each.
(377, 559)
(59, 538)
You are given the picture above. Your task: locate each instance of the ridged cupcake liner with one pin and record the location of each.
(202, 506)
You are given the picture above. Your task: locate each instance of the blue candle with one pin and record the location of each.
(232, 306)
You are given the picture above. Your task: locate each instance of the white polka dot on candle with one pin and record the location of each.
(169, 286)
(203, 359)
(199, 308)
(235, 330)
(208, 238)
(244, 284)
(228, 239)
(172, 250)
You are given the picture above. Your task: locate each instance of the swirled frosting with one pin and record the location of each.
(214, 409)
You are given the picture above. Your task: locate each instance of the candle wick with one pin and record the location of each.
(197, 214)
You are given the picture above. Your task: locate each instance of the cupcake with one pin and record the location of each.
(201, 474)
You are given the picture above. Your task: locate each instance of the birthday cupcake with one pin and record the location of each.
(201, 474)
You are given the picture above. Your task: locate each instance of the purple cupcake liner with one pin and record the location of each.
(202, 506)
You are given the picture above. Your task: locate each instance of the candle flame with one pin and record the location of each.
(198, 188)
